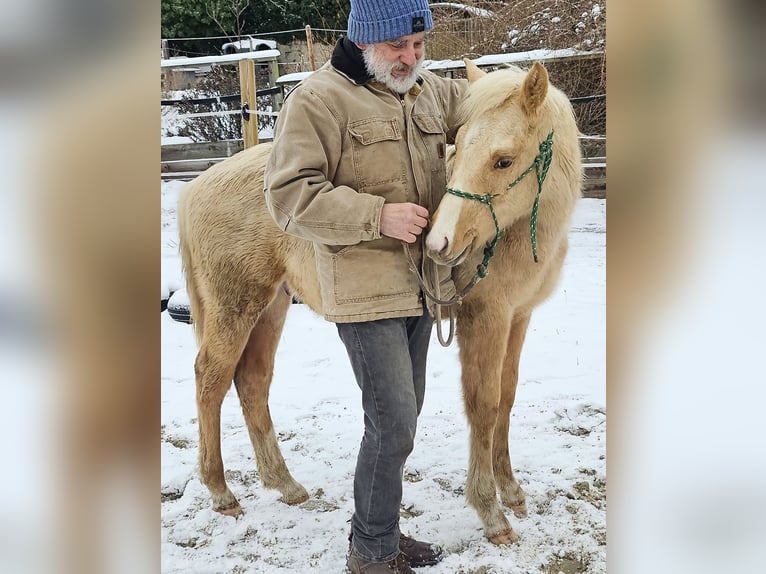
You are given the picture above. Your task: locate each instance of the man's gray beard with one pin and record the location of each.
(381, 70)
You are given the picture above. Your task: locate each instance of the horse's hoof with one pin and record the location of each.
(507, 536)
(294, 498)
(519, 510)
(233, 509)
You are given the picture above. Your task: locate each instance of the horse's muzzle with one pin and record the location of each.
(444, 258)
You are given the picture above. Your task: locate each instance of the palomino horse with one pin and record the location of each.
(516, 171)
(241, 271)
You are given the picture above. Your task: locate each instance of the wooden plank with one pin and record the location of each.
(595, 193)
(201, 150)
(197, 165)
(185, 175)
(594, 181)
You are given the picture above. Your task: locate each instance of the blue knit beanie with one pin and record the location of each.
(372, 21)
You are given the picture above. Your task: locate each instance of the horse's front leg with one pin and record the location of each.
(510, 492)
(482, 338)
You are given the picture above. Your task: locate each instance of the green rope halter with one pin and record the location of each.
(541, 164)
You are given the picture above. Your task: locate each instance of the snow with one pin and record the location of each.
(258, 56)
(171, 122)
(179, 298)
(471, 10)
(171, 277)
(167, 140)
(487, 60)
(527, 57)
(558, 440)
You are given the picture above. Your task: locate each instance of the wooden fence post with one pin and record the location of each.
(273, 77)
(247, 90)
(310, 45)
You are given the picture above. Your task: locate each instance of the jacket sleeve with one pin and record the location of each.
(298, 184)
(453, 92)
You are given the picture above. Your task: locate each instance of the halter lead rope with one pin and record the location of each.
(541, 164)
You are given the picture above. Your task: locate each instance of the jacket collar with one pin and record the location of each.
(347, 59)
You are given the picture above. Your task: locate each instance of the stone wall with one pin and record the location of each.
(295, 56)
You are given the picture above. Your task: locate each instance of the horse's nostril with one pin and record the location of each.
(437, 244)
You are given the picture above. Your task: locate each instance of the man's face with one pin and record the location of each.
(396, 63)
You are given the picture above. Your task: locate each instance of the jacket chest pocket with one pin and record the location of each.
(431, 130)
(377, 152)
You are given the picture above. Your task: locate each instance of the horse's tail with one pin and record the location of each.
(196, 308)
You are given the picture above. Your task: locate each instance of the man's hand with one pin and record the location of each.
(403, 221)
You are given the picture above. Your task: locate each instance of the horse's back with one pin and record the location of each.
(229, 241)
(227, 198)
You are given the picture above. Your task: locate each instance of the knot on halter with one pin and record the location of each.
(489, 252)
(541, 164)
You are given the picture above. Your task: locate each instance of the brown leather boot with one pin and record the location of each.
(357, 565)
(420, 553)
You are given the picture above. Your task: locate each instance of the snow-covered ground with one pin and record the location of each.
(558, 441)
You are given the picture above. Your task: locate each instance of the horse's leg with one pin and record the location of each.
(222, 343)
(252, 380)
(483, 339)
(510, 492)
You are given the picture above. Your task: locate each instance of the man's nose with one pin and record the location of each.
(408, 56)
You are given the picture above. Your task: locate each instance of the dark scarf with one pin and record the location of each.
(347, 58)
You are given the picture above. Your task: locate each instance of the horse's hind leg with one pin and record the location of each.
(252, 380)
(222, 343)
(510, 492)
(483, 339)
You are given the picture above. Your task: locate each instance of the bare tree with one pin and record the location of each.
(219, 11)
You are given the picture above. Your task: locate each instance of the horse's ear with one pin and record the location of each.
(473, 71)
(534, 89)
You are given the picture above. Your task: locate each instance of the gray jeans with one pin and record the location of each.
(389, 361)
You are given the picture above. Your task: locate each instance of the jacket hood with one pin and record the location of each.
(347, 58)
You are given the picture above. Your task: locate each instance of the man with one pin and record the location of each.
(357, 166)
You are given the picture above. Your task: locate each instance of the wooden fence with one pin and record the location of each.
(186, 161)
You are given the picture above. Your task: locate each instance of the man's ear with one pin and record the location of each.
(362, 47)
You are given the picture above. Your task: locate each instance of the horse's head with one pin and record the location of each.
(507, 115)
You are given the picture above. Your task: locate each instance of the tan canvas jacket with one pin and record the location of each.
(341, 150)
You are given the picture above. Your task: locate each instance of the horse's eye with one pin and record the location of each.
(503, 163)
